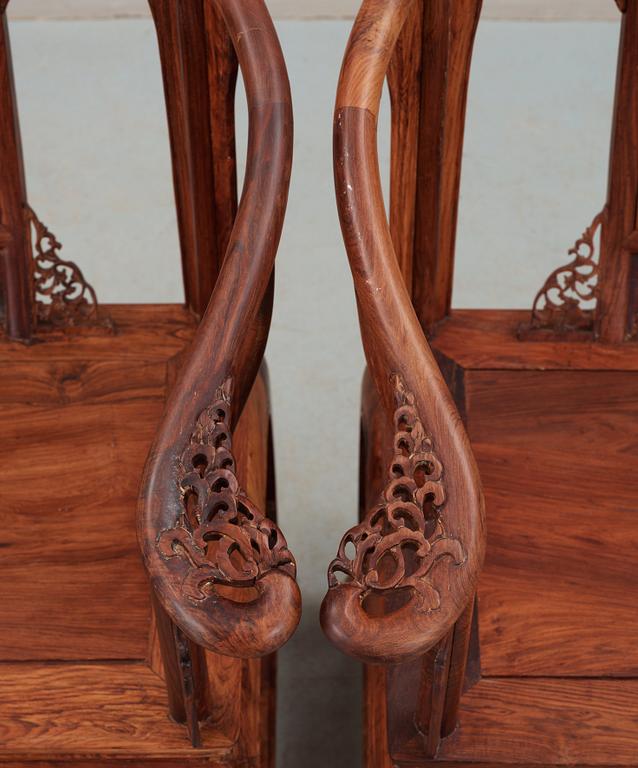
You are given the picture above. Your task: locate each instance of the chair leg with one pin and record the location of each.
(435, 671)
(185, 674)
(461, 637)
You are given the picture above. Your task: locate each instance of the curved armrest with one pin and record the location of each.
(411, 567)
(219, 567)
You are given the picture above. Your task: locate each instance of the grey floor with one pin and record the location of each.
(534, 175)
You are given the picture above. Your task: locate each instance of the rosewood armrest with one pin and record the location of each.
(218, 566)
(405, 574)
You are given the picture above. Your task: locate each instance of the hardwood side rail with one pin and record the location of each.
(405, 574)
(220, 569)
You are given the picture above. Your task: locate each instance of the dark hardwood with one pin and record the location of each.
(80, 690)
(558, 591)
(613, 320)
(402, 586)
(449, 29)
(199, 70)
(98, 711)
(15, 248)
(550, 410)
(81, 406)
(579, 574)
(97, 400)
(541, 668)
(403, 77)
(191, 501)
(541, 722)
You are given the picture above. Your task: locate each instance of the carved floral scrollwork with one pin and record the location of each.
(220, 533)
(567, 300)
(63, 297)
(403, 536)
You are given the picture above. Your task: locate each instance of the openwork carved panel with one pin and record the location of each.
(567, 301)
(63, 298)
(403, 536)
(220, 533)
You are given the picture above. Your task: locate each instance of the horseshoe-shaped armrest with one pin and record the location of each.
(402, 576)
(219, 567)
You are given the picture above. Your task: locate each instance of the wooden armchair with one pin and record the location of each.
(89, 657)
(548, 664)
(402, 587)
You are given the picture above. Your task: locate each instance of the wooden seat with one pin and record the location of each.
(98, 668)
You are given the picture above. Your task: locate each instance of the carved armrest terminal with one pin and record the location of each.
(219, 568)
(407, 572)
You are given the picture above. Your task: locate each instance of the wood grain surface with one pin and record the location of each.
(111, 710)
(547, 722)
(403, 78)
(616, 295)
(199, 70)
(449, 30)
(487, 339)
(15, 250)
(219, 371)
(68, 504)
(412, 394)
(97, 711)
(559, 591)
(147, 332)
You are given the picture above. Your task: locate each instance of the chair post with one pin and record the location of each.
(15, 242)
(448, 32)
(616, 307)
(199, 69)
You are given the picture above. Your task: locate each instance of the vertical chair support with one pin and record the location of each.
(404, 87)
(402, 586)
(619, 233)
(449, 29)
(199, 70)
(15, 245)
(428, 81)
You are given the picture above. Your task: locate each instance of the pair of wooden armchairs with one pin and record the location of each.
(86, 679)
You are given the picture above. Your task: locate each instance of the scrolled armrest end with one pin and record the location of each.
(402, 576)
(250, 625)
(220, 568)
